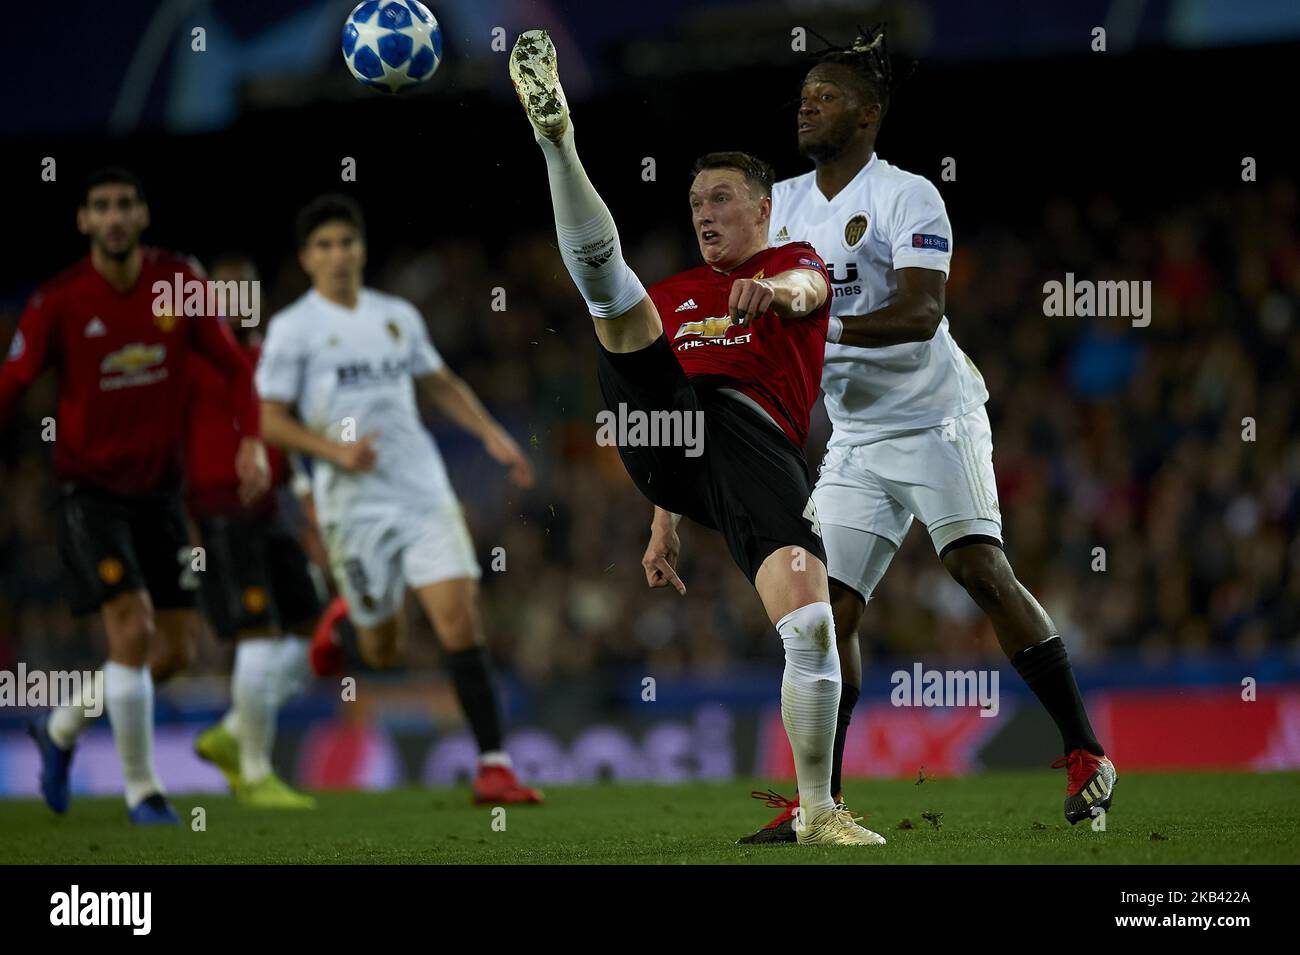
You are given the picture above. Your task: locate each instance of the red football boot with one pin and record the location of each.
(1090, 784)
(498, 785)
(780, 829)
(326, 651)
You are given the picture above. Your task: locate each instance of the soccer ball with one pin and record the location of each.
(391, 44)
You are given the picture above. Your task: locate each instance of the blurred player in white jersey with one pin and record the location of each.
(337, 378)
(910, 434)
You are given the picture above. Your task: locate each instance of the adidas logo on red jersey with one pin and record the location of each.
(689, 303)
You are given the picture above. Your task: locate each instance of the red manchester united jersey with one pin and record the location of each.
(212, 440)
(776, 361)
(122, 370)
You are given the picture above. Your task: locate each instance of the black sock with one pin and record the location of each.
(848, 699)
(471, 674)
(1045, 667)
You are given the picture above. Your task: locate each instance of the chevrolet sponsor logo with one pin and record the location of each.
(714, 327)
(133, 357)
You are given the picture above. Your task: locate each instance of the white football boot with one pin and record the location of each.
(536, 80)
(836, 826)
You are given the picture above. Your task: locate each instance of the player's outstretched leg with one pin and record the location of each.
(626, 320)
(797, 601)
(452, 607)
(1031, 642)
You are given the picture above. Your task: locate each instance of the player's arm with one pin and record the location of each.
(210, 337)
(662, 551)
(281, 381)
(28, 355)
(913, 315)
(920, 237)
(281, 428)
(791, 294)
(449, 393)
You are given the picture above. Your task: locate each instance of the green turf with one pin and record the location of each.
(996, 817)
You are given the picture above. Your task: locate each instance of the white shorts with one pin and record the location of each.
(941, 475)
(375, 559)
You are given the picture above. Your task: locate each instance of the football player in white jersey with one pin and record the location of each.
(337, 378)
(910, 434)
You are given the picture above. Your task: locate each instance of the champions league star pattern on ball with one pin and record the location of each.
(392, 45)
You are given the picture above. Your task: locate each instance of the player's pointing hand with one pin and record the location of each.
(356, 455)
(660, 555)
(749, 299)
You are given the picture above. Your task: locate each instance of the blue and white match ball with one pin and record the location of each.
(392, 44)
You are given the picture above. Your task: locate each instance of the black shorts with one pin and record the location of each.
(750, 482)
(256, 576)
(112, 544)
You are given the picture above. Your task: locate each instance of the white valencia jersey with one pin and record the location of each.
(884, 219)
(350, 372)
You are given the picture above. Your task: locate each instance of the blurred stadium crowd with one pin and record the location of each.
(1134, 440)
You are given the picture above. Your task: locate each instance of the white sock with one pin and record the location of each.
(495, 757)
(293, 667)
(129, 702)
(67, 723)
(587, 235)
(254, 686)
(810, 700)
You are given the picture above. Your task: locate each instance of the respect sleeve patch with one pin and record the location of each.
(936, 242)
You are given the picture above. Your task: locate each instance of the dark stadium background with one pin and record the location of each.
(1117, 165)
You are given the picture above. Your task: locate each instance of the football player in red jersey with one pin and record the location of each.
(120, 355)
(730, 352)
(257, 588)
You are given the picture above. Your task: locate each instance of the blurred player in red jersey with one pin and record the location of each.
(257, 588)
(121, 361)
(733, 351)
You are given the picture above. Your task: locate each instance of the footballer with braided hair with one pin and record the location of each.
(910, 438)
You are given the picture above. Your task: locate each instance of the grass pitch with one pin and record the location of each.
(991, 818)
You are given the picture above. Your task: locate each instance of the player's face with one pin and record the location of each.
(730, 224)
(830, 113)
(334, 257)
(113, 218)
